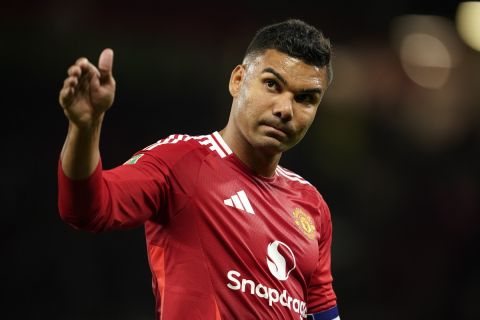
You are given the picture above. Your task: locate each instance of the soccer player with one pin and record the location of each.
(230, 233)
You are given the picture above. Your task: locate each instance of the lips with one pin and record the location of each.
(281, 129)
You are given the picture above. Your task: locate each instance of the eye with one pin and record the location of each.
(304, 98)
(271, 84)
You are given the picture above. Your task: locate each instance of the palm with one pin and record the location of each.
(90, 102)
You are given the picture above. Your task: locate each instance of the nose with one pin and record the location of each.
(283, 108)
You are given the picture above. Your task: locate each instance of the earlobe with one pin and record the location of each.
(236, 80)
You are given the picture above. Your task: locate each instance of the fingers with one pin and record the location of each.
(69, 85)
(105, 61)
(79, 76)
(84, 71)
(70, 82)
(68, 91)
(66, 96)
(105, 65)
(86, 68)
(74, 71)
(85, 79)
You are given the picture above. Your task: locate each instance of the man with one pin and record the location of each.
(230, 233)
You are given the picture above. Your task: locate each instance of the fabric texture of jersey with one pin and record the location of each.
(222, 242)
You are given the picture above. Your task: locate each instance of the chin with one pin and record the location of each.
(271, 145)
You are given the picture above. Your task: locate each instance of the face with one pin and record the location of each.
(275, 99)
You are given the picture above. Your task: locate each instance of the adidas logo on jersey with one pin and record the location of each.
(239, 201)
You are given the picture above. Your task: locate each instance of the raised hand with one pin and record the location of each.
(88, 92)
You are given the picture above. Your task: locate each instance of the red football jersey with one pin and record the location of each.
(222, 242)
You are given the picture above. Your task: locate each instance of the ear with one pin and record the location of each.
(236, 80)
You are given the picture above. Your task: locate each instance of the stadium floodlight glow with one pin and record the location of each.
(468, 23)
(425, 60)
(427, 47)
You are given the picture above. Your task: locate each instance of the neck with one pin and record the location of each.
(262, 163)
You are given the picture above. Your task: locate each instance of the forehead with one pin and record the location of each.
(293, 70)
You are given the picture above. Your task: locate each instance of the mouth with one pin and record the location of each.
(276, 131)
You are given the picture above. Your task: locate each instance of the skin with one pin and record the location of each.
(87, 93)
(275, 99)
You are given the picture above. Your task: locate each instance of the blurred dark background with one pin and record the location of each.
(395, 148)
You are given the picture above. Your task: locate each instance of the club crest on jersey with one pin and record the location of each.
(134, 159)
(305, 223)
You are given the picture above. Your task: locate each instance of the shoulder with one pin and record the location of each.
(297, 182)
(176, 147)
(294, 180)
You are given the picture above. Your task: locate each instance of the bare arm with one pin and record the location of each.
(88, 92)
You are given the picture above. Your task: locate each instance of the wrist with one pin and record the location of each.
(88, 126)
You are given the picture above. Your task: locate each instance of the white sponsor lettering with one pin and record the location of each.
(262, 291)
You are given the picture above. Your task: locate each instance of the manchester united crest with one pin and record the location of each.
(305, 223)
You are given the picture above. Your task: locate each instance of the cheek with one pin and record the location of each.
(244, 112)
(305, 120)
(250, 105)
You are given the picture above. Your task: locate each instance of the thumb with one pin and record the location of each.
(105, 64)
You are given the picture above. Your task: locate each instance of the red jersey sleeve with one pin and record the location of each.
(321, 296)
(124, 197)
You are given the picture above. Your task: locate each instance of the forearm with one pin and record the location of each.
(80, 153)
(82, 203)
(87, 93)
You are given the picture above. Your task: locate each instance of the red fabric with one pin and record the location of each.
(210, 257)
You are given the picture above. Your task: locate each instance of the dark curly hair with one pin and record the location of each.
(297, 39)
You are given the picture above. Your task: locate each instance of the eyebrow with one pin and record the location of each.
(282, 79)
(271, 70)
